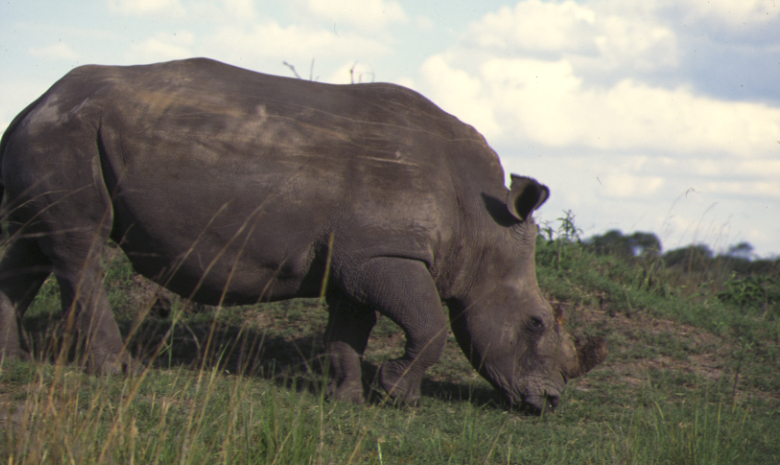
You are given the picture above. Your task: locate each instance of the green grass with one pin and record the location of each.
(692, 378)
(185, 416)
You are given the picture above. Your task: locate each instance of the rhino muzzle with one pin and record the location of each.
(589, 353)
(537, 404)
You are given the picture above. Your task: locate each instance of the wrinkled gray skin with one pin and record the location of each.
(232, 187)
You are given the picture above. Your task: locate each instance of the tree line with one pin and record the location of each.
(744, 279)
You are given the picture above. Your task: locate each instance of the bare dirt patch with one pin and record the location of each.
(696, 351)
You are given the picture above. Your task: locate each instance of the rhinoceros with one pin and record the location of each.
(228, 186)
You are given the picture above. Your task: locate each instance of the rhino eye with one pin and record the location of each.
(535, 325)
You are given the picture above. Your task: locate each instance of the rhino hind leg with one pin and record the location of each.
(71, 233)
(346, 337)
(86, 309)
(404, 291)
(23, 271)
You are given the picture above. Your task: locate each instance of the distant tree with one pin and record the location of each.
(762, 266)
(694, 257)
(753, 265)
(636, 245)
(611, 242)
(644, 244)
(741, 250)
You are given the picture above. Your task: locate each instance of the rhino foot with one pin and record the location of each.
(15, 354)
(347, 391)
(113, 364)
(396, 381)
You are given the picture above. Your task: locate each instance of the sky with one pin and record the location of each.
(659, 116)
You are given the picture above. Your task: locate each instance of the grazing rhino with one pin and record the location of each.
(228, 186)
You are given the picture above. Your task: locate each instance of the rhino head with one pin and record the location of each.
(504, 325)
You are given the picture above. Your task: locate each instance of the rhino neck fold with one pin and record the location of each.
(463, 330)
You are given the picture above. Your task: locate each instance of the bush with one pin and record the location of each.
(759, 291)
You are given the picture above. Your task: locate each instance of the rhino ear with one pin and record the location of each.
(525, 196)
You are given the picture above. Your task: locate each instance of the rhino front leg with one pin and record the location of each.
(404, 291)
(346, 337)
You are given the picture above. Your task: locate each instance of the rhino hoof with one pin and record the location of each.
(15, 354)
(398, 388)
(347, 392)
(122, 364)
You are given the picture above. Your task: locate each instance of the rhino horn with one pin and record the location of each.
(589, 354)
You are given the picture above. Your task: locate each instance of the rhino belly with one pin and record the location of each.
(222, 254)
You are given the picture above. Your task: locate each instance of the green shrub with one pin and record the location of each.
(752, 291)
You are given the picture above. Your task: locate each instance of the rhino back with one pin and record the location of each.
(246, 178)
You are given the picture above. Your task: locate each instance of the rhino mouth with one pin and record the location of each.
(530, 395)
(538, 404)
(546, 401)
(538, 399)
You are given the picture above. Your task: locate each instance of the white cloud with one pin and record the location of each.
(755, 188)
(635, 44)
(733, 13)
(599, 100)
(547, 103)
(729, 13)
(598, 37)
(224, 11)
(536, 26)
(366, 15)
(459, 93)
(240, 8)
(623, 185)
(164, 47)
(59, 51)
(165, 8)
(769, 167)
(292, 43)
(424, 24)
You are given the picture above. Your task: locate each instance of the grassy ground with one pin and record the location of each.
(690, 380)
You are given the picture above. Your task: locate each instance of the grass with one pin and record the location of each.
(692, 378)
(185, 416)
